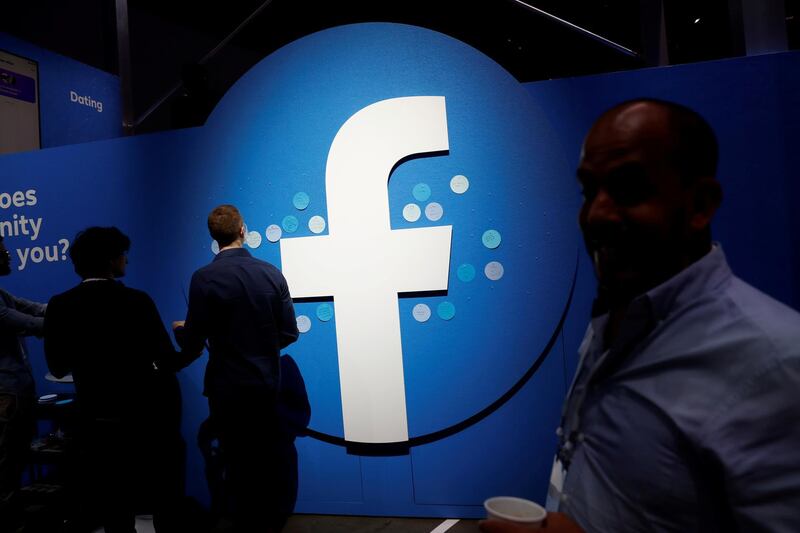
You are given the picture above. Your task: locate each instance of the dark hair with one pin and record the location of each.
(695, 151)
(224, 223)
(93, 249)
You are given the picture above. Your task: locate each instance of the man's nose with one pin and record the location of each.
(601, 210)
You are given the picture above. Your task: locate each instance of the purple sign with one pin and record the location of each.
(19, 86)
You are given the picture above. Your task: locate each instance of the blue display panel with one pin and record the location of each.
(78, 103)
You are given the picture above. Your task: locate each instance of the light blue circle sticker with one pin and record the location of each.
(253, 239)
(434, 211)
(446, 310)
(324, 312)
(273, 233)
(214, 247)
(290, 223)
(303, 324)
(494, 270)
(301, 201)
(421, 312)
(421, 192)
(411, 212)
(466, 272)
(316, 224)
(491, 238)
(459, 184)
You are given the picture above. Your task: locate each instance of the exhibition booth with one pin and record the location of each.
(422, 204)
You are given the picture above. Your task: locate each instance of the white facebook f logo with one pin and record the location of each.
(364, 264)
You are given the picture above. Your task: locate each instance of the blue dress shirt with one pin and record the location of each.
(690, 421)
(242, 306)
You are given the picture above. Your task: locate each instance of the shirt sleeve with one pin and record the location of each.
(286, 321)
(756, 440)
(24, 320)
(192, 336)
(56, 333)
(159, 346)
(28, 307)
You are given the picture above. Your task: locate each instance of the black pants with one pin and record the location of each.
(259, 459)
(133, 464)
(125, 475)
(17, 426)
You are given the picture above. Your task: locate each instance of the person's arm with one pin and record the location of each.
(29, 307)
(158, 345)
(57, 347)
(286, 321)
(19, 322)
(191, 334)
(755, 439)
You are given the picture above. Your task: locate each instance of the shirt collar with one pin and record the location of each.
(232, 252)
(701, 277)
(650, 308)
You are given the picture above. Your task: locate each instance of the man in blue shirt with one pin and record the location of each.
(18, 318)
(242, 306)
(684, 412)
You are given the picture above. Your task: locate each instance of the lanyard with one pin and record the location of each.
(568, 431)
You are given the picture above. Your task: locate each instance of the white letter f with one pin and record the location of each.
(363, 264)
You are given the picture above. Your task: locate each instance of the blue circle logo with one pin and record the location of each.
(356, 118)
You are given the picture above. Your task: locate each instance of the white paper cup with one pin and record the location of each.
(517, 510)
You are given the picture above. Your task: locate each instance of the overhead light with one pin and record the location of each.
(697, 20)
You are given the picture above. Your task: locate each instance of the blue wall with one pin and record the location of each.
(753, 104)
(268, 139)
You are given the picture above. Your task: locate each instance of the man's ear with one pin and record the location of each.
(706, 198)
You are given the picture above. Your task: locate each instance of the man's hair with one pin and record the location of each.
(695, 151)
(224, 223)
(93, 249)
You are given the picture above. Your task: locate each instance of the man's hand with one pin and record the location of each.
(555, 522)
(178, 324)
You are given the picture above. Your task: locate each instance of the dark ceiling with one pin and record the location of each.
(166, 36)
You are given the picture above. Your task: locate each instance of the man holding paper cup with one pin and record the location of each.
(684, 413)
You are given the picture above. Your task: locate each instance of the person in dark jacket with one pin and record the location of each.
(111, 338)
